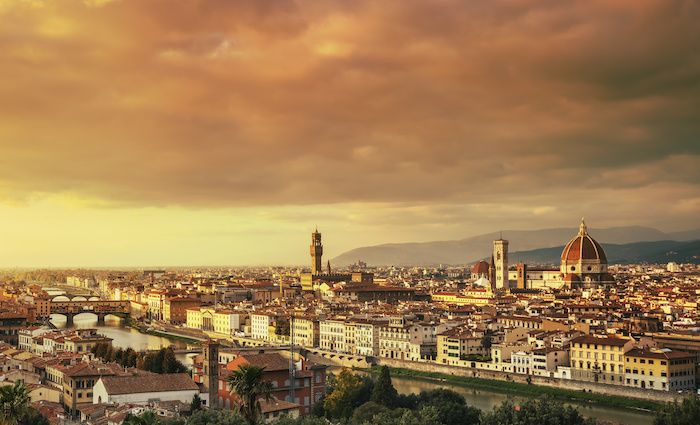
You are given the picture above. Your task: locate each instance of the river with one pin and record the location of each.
(125, 337)
(486, 400)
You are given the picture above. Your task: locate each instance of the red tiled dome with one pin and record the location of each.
(482, 267)
(583, 247)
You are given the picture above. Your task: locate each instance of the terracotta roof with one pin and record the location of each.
(668, 355)
(270, 361)
(148, 384)
(276, 405)
(92, 369)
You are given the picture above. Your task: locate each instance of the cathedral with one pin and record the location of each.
(583, 265)
(583, 261)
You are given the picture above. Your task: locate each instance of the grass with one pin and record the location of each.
(517, 388)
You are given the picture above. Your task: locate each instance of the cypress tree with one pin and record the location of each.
(384, 392)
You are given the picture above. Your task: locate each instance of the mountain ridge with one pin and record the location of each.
(466, 250)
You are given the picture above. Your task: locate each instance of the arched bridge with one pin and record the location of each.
(100, 308)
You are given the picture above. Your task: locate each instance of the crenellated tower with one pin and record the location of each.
(316, 253)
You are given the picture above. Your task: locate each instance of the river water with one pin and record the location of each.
(486, 400)
(125, 337)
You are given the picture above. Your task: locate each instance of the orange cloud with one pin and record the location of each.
(229, 103)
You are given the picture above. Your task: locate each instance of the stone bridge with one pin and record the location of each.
(332, 358)
(100, 308)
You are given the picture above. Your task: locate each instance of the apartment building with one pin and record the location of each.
(261, 326)
(660, 369)
(457, 344)
(599, 359)
(306, 331)
(175, 309)
(222, 321)
(367, 336)
(332, 335)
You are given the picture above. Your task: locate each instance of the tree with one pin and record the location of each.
(450, 408)
(158, 360)
(146, 418)
(14, 403)
(209, 417)
(171, 364)
(196, 403)
(486, 340)
(685, 413)
(384, 392)
(248, 384)
(33, 417)
(367, 411)
(349, 392)
(424, 416)
(534, 412)
(303, 420)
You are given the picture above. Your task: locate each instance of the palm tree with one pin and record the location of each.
(14, 403)
(247, 382)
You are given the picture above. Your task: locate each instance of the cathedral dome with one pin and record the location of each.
(480, 268)
(583, 248)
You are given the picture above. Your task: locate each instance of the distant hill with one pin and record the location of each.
(468, 250)
(637, 252)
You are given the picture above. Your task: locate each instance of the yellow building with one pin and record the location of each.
(225, 322)
(663, 370)
(471, 297)
(597, 359)
(306, 331)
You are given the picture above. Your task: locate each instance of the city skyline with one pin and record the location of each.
(221, 133)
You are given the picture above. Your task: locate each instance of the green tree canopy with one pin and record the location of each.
(349, 392)
(384, 392)
(146, 418)
(14, 403)
(684, 413)
(534, 412)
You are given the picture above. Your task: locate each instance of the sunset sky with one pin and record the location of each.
(217, 132)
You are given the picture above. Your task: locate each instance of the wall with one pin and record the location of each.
(658, 396)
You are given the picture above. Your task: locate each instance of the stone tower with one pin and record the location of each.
(316, 253)
(211, 372)
(500, 258)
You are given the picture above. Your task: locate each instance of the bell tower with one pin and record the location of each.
(316, 253)
(500, 255)
(211, 372)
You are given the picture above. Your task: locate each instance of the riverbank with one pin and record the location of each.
(144, 329)
(530, 390)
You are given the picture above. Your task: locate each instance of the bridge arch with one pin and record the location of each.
(79, 298)
(60, 298)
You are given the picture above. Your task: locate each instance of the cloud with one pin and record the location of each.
(210, 104)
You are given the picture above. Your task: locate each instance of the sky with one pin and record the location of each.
(221, 132)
